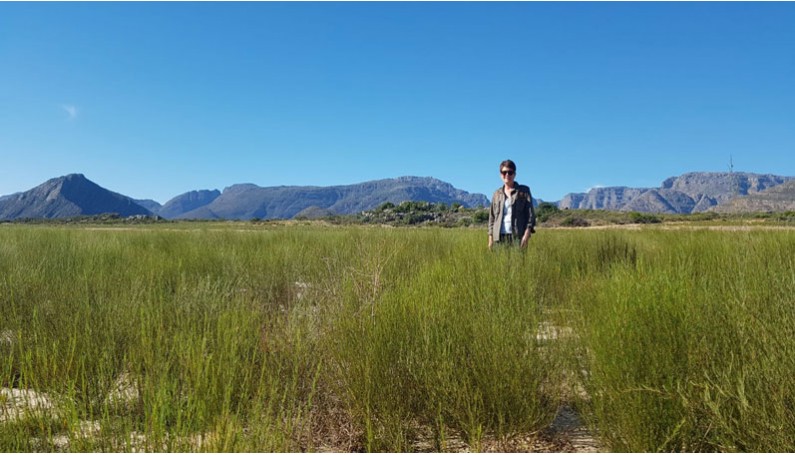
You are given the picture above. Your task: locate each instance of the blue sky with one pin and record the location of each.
(155, 99)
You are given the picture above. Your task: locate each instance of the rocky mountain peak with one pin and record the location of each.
(69, 195)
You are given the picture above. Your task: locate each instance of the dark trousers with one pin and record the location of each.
(507, 238)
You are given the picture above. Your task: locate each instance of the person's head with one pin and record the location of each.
(508, 171)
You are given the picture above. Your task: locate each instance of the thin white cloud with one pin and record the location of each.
(598, 185)
(70, 110)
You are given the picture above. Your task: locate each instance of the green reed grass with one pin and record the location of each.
(181, 314)
(452, 348)
(240, 337)
(687, 341)
(262, 339)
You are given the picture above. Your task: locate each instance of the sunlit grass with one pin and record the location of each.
(246, 337)
(230, 340)
(689, 347)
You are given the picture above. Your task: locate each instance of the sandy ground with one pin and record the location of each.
(567, 434)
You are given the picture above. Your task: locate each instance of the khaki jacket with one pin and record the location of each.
(523, 214)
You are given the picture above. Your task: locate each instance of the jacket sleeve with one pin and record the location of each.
(532, 219)
(492, 217)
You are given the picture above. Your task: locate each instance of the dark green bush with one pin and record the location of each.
(545, 210)
(574, 221)
(643, 218)
(481, 216)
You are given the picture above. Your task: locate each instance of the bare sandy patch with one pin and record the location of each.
(20, 403)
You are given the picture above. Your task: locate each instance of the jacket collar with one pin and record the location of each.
(516, 186)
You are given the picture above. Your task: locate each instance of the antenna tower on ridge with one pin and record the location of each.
(735, 181)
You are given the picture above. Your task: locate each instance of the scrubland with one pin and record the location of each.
(310, 337)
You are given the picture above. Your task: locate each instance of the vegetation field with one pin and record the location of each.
(313, 337)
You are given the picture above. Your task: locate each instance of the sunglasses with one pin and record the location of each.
(507, 172)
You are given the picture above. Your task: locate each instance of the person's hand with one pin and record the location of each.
(491, 242)
(525, 239)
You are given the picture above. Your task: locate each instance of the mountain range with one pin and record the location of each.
(247, 201)
(75, 195)
(692, 192)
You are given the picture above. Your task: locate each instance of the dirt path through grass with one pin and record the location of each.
(567, 434)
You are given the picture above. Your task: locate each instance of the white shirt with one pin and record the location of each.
(505, 227)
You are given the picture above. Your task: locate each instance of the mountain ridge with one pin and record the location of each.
(247, 200)
(780, 198)
(691, 192)
(75, 195)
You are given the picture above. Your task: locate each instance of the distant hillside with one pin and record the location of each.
(689, 193)
(186, 202)
(148, 204)
(607, 198)
(71, 195)
(249, 201)
(780, 198)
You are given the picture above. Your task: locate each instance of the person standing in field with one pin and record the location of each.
(512, 217)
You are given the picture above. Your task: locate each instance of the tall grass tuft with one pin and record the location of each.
(450, 345)
(175, 319)
(691, 348)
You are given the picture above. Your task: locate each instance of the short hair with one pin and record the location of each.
(509, 164)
